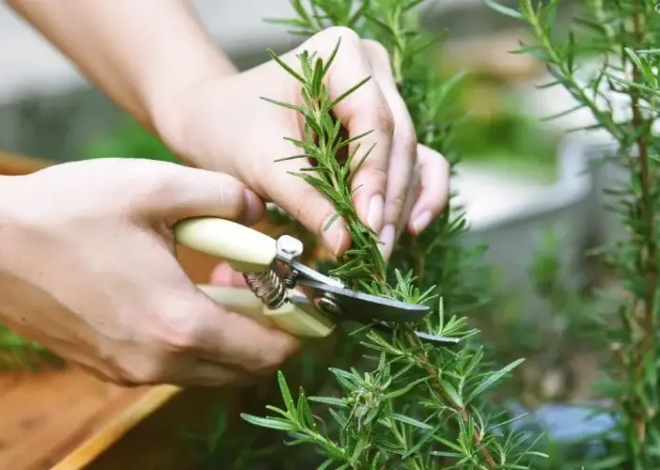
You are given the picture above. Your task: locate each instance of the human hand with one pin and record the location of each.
(88, 270)
(221, 124)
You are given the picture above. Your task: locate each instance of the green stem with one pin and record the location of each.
(649, 253)
(571, 84)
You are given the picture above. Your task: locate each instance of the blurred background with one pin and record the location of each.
(522, 180)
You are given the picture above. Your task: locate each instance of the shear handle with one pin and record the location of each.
(290, 317)
(248, 251)
(245, 249)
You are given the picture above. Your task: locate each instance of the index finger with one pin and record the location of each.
(363, 111)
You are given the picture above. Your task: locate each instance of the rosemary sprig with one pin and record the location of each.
(323, 143)
(418, 397)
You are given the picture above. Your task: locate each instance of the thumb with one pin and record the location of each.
(224, 275)
(190, 192)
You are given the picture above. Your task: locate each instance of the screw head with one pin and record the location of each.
(329, 307)
(289, 247)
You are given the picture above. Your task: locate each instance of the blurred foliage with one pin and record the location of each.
(129, 140)
(495, 132)
(18, 353)
(622, 94)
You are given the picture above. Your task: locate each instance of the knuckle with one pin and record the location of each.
(142, 370)
(174, 329)
(343, 33)
(377, 50)
(157, 186)
(376, 169)
(397, 201)
(384, 119)
(232, 197)
(276, 356)
(408, 138)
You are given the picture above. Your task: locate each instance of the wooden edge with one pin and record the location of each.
(145, 406)
(15, 164)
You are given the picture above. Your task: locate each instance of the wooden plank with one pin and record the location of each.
(46, 414)
(134, 412)
(12, 164)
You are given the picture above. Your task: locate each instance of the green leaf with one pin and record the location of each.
(286, 395)
(614, 461)
(492, 378)
(304, 411)
(282, 64)
(453, 394)
(325, 465)
(504, 10)
(411, 421)
(271, 423)
(284, 105)
(404, 390)
(338, 402)
(348, 92)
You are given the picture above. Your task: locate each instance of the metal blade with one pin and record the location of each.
(361, 307)
(423, 337)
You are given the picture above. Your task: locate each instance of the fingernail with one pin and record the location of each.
(387, 241)
(421, 222)
(334, 236)
(375, 213)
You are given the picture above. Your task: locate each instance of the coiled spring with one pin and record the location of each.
(268, 287)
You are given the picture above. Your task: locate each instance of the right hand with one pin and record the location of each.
(87, 269)
(401, 185)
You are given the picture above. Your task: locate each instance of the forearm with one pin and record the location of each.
(140, 53)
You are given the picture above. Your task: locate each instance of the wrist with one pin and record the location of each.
(167, 93)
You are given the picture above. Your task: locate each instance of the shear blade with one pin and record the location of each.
(423, 337)
(365, 308)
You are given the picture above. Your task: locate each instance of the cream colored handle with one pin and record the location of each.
(288, 318)
(245, 249)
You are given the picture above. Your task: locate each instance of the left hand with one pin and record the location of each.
(222, 124)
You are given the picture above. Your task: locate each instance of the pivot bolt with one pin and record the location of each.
(289, 248)
(328, 306)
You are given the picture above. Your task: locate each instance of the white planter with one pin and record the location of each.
(599, 144)
(510, 216)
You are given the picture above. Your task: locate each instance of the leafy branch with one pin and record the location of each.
(421, 407)
(623, 35)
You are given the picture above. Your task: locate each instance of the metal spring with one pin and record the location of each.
(290, 279)
(268, 287)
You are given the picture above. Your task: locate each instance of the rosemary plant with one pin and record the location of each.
(418, 406)
(621, 35)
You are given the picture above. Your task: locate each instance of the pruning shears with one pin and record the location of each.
(282, 292)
